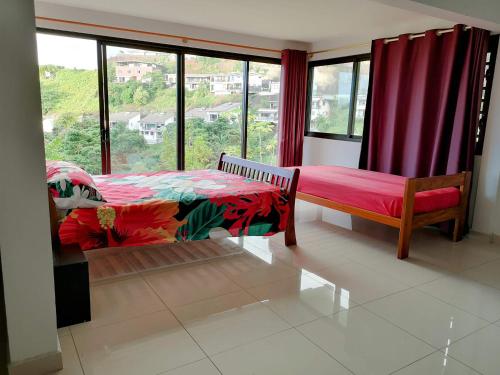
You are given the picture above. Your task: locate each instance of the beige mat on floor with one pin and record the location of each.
(117, 262)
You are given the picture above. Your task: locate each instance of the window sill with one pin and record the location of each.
(338, 137)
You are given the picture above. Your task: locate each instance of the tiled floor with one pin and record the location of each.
(339, 303)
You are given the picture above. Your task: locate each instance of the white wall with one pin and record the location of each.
(24, 217)
(487, 212)
(111, 19)
(320, 151)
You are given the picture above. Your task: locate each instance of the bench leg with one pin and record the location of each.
(290, 239)
(458, 229)
(404, 243)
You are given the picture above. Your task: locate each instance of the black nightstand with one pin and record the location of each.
(71, 281)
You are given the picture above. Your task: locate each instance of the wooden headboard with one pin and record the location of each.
(283, 178)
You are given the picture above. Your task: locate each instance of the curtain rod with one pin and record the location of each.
(389, 40)
(182, 38)
(420, 35)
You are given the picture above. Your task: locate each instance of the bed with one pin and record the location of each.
(403, 203)
(238, 198)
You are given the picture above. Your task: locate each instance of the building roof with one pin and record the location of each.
(159, 117)
(224, 107)
(196, 113)
(122, 116)
(123, 57)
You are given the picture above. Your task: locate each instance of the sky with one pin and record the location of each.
(68, 52)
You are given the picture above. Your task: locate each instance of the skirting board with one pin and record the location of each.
(42, 364)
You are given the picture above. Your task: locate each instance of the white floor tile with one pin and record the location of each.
(63, 332)
(426, 317)
(479, 350)
(301, 299)
(468, 295)
(146, 345)
(213, 306)
(286, 353)
(203, 367)
(488, 273)
(120, 300)
(249, 270)
(71, 362)
(236, 324)
(184, 285)
(453, 256)
(437, 364)
(365, 343)
(361, 283)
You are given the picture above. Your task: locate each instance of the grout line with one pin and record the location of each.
(323, 350)
(182, 325)
(415, 361)
(419, 338)
(77, 351)
(187, 364)
(455, 306)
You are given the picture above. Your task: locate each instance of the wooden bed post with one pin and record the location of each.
(464, 197)
(290, 239)
(406, 226)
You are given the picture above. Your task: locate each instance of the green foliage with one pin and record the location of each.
(335, 122)
(77, 142)
(205, 216)
(141, 96)
(125, 143)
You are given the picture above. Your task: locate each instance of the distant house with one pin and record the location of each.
(153, 126)
(134, 67)
(191, 81)
(214, 113)
(321, 105)
(226, 84)
(269, 112)
(131, 119)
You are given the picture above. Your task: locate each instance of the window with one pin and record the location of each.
(213, 110)
(119, 106)
(337, 96)
(70, 104)
(141, 101)
(263, 99)
(486, 92)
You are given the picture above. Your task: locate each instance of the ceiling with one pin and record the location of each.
(306, 21)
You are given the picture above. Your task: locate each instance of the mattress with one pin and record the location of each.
(166, 207)
(372, 191)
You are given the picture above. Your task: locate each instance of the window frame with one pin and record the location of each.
(356, 60)
(104, 41)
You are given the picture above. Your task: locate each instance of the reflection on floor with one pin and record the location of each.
(339, 303)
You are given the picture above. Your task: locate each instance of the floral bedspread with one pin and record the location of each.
(166, 207)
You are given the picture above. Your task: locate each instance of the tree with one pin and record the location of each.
(141, 96)
(124, 143)
(78, 142)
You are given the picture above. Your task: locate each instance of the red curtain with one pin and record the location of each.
(292, 107)
(423, 106)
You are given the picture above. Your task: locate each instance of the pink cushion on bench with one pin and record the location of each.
(372, 191)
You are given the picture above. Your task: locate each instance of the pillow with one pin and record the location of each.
(72, 187)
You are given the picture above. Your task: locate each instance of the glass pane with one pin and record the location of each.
(331, 98)
(142, 97)
(70, 100)
(263, 108)
(359, 117)
(213, 109)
